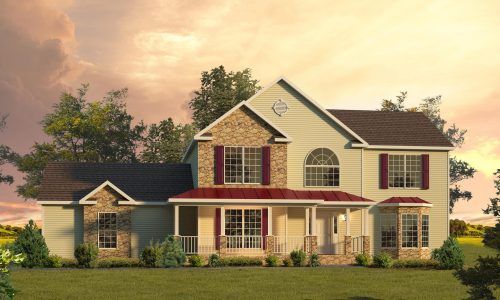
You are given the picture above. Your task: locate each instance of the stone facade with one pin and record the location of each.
(311, 243)
(408, 253)
(107, 201)
(242, 128)
(336, 259)
(348, 244)
(366, 244)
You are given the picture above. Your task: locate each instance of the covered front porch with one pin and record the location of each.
(273, 226)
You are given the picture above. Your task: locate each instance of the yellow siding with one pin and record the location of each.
(149, 223)
(279, 221)
(192, 159)
(206, 221)
(296, 221)
(63, 229)
(437, 193)
(310, 128)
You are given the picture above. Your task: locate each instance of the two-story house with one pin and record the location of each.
(275, 173)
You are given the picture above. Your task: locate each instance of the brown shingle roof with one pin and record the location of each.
(391, 128)
(66, 181)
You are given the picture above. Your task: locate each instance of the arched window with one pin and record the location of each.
(322, 168)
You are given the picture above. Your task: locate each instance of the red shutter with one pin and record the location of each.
(425, 171)
(217, 228)
(266, 165)
(264, 227)
(219, 164)
(384, 171)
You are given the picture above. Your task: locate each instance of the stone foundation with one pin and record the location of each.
(334, 259)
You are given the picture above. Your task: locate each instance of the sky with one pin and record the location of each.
(344, 54)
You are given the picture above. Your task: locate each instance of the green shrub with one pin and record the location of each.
(196, 261)
(482, 279)
(492, 237)
(450, 255)
(287, 262)
(298, 258)
(31, 243)
(118, 262)
(272, 261)
(383, 260)
(6, 289)
(363, 259)
(241, 261)
(415, 263)
(86, 255)
(151, 255)
(314, 260)
(214, 261)
(69, 263)
(172, 254)
(54, 261)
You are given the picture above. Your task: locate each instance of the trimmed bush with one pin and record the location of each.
(69, 263)
(314, 260)
(172, 253)
(196, 261)
(363, 260)
(382, 260)
(31, 243)
(54, 261)
(151, 255)
(450, 255)
(287, 262)
(86, 255)
(272, 261)
(118, 262)
(299, 258)
(214, 261)
(241, 261)
(415, 263)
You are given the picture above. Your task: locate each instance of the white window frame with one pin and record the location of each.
(382, 217)
(243, 165)
(428, 230)
(404, 172)
(403, 230)
(99, 230)
(243, 235)
(332, 166)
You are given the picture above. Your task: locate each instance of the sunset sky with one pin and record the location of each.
(344, 54)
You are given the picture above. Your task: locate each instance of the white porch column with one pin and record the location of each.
(222, 221)
(364, 221)
(348, 221)
(307, 220)
(313, 220)
(269, 220)
(176, 220)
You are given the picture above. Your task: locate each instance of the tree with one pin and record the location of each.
(219, 92)
(166, 142)
(6, 154)
(457, 227)
(481, 278)
(31, 244)
(83, 131)
(459, 170)
(492, 235)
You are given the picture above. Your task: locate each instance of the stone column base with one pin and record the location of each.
(269, 244)
(366, 244)
(348, 244)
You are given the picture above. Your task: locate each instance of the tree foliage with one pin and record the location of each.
(459, 169)
(31, 244)
(219, 92)
(458, 227)
(6, 154)
(493, 208)
(482, 278)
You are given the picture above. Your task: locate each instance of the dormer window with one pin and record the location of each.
(242, 164)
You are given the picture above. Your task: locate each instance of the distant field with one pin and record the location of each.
(6, 240)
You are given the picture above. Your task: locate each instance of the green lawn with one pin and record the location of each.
(6, 240)
(242, 283)
(473, 247)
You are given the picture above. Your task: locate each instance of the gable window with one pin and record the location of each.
(107, 230)
(405, 171)
(410, 230)
(242, 164)
(425, 230)
(388, 230)
(322, 168)
(243, 228)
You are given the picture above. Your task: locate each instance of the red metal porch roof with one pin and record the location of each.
(406, 200)
(270, 193)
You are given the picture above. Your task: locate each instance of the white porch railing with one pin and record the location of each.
(198, 244)
(357, 244)
(286, 244)
(244, 244)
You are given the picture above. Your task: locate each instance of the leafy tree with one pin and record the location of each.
(82, 131)
(31, 243)
(166, 142)
(482, 278)
(459, 170)
(219, 92)
(6, 154)
(492, 235)
(458, 227)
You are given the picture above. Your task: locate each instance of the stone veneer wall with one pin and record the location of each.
(408, 253)
(107, 201)
(242, 128)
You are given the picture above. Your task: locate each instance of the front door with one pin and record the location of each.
(324, 232)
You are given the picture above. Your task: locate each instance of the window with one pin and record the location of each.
(242, 164)
(405, 171)
(388, 228)
(243, 228)
(107, 230)
(410, 230)
(425, 230)
(322, 168)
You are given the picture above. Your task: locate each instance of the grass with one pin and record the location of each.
(473, 248)
(6, 240)
(245, 283)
